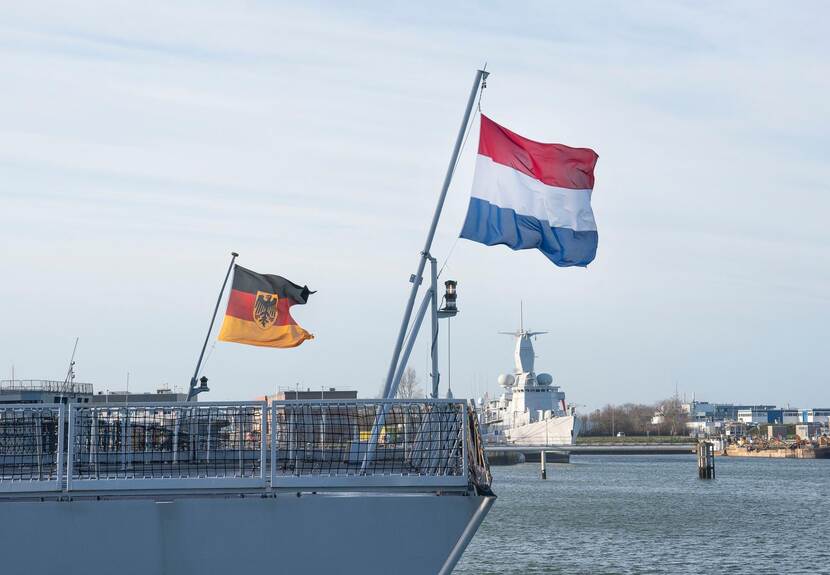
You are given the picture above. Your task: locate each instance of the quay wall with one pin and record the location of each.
(781, 453)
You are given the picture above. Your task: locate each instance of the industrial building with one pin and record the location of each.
(707, 419)
(125, 397)
(44, 391)
(308, 393)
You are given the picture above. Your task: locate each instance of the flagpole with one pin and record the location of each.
(193, 391)
(390, 387)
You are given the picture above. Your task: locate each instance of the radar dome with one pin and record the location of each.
(544, 379)
(506, 380)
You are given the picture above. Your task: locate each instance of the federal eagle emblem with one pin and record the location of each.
(265, 309)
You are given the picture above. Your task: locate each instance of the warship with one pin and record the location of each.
(531, 410)
(297, 486)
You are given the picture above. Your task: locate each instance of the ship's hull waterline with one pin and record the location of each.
(553, 431)
(310, 533)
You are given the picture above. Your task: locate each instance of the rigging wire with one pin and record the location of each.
(458, 159)
(210, 352)
(452, 175)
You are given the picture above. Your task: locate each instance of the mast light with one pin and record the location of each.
(449, 308)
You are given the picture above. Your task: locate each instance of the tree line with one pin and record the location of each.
(662, 418)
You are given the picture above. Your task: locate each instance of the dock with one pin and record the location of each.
(808, 452)
(514, 454)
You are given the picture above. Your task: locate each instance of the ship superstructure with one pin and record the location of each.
(531, 409)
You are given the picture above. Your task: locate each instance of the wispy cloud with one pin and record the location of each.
(138, 147)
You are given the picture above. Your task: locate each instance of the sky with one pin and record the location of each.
(139, 147)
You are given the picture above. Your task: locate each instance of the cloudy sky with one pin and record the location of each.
(139, 147)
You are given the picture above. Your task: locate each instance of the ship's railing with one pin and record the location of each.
(31, 447)
(337, 444)
(334, 443)
(492, 417)
(174, 445)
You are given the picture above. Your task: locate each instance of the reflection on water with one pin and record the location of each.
(651, 514)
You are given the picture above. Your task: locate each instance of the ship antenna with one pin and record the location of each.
(70, 373)
(521, 315)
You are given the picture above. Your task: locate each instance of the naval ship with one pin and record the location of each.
(296, 486)
(531, 410)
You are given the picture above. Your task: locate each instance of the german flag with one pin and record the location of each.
(258, 310)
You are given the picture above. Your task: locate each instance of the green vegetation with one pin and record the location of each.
(633, 439)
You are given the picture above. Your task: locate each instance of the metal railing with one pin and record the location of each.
(330, 442)
(46, 385)
(151, 445)
(338, 444)
(31, 447)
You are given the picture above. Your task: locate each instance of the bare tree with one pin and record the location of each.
(674, 416)
(410, 387)
(634, 419)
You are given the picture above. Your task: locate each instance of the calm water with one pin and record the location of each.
(651, 514)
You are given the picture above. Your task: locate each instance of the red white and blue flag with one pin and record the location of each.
(532, 195)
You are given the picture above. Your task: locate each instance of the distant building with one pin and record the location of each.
(705, 411)
(729, 411)
(734, 428)
(733, 420)
(330, 393)
(44, 391)
(125, 397)
(760, 414)
(700, 410)
(790, 416)
(816, 415)
(808, 430)
(704, 428)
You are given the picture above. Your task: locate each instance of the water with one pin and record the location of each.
(651, 514)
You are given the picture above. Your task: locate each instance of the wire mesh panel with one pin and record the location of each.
(31, 442)
(368, 439)
(167, 442)
(477, 464)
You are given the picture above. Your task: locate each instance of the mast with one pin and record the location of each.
(521, 315)
(390, 388)
(193, 390)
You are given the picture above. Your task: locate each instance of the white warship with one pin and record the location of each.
(531, 410)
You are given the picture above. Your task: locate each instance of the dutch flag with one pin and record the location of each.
(532, 195)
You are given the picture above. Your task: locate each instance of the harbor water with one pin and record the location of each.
(651, 514)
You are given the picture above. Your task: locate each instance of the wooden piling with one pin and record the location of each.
(706, 460)
(544, 465)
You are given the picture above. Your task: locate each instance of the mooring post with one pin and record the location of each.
(706, 460)
(544, 465)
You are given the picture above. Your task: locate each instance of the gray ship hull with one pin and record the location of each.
(239, 488)
(323, 533)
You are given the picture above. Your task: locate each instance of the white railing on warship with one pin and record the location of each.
(316, 444)
(45, 385)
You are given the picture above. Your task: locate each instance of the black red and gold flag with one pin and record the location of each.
(258, 310)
